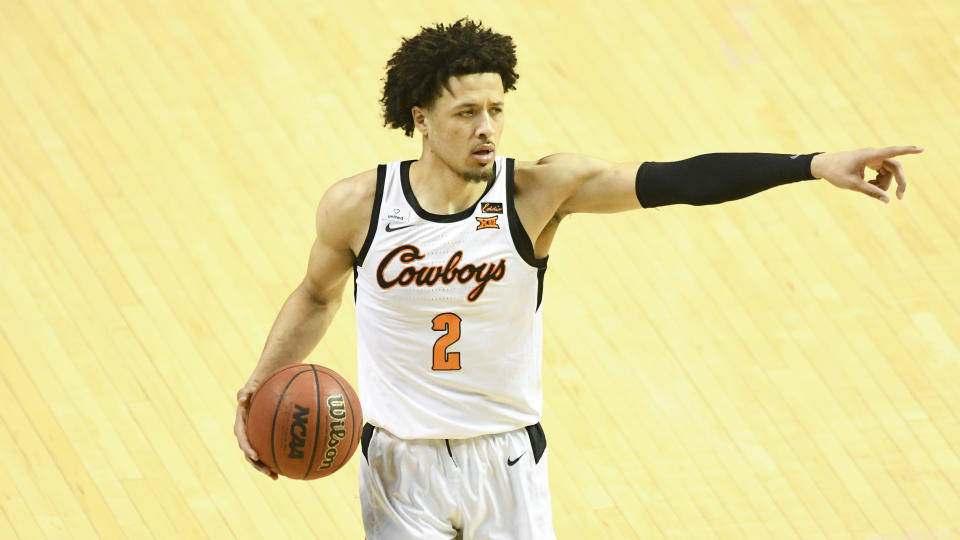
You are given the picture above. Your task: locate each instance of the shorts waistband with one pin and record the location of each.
(538, 440)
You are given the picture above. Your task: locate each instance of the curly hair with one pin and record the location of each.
(418, 71)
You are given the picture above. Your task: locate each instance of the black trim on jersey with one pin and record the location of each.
(521, 240)
(365, 437)
(541, 273)
(374, 214)
(538, 441)
(439, 218)
(372, 228)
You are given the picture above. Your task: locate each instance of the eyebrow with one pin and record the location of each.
(472, 104)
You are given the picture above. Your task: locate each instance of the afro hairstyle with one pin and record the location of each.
(419, 70)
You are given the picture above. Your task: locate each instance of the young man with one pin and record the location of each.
(448, 255)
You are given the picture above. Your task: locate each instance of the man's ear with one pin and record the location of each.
(420, 120)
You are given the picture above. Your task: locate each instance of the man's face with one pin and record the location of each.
(464, 124)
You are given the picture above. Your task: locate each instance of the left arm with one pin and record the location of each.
(595, 186)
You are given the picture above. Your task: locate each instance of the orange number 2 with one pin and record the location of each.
(449, 323)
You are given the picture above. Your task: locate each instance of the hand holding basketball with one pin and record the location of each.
(240, 430)
(846, 169)
(303, 421)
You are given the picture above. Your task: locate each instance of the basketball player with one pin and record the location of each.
(448, 254)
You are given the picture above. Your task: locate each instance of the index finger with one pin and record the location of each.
(892, 151)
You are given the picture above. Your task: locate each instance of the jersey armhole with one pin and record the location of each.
(521, 240)
(374, 215)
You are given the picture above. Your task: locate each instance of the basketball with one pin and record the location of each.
(304, 421)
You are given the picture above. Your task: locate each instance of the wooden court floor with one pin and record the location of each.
(785, 366)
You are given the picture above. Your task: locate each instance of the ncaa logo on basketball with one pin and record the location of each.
(298, 432)
(337, 432)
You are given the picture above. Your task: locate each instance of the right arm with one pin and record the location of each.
(309, 310)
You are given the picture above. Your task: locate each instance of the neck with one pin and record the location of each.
(440, 189)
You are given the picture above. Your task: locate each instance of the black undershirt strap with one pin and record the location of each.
(717, 178)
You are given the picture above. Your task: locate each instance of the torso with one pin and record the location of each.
(448, 310)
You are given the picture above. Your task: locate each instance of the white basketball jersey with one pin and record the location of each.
(448, 314)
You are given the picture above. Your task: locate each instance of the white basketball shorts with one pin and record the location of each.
(492, 487)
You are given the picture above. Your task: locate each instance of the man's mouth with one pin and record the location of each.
(484, 154)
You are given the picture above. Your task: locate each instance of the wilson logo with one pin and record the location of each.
(337, 432)
(388, 274)
(298, 432)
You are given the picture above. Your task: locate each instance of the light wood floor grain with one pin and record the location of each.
(786, 366)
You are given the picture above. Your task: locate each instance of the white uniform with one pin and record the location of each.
(433, 291)
(449, 347)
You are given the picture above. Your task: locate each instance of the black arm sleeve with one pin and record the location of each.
(716, 178)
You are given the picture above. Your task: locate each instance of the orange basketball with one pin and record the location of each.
(304, 421)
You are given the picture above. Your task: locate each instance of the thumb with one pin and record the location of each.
(245, 394)
(871, 190)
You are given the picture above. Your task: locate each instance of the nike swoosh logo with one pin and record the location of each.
(388, 228)
(795, 156)
(512, 462)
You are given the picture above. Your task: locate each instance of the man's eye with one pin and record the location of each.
(466, 114)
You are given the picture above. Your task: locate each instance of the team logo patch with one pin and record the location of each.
(491, 207)
(487, 223)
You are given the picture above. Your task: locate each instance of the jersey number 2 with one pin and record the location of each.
(443, 360)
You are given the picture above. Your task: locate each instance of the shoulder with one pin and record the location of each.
(556, 177)
(344, 211)
(350, 193)
(573, 183)
(557, 171)
(541, 187)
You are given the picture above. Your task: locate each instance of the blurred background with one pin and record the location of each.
(784, 366)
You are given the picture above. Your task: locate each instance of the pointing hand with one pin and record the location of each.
(846, 169)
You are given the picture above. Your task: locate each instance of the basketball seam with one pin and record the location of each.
(264, 382)
(316, 430)
(273, 427)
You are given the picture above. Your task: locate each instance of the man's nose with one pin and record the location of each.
(484, 125)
